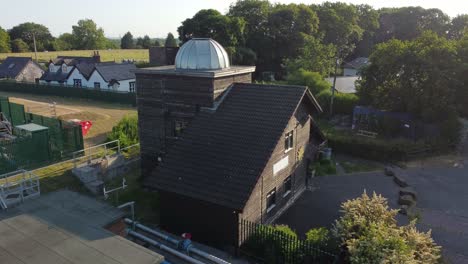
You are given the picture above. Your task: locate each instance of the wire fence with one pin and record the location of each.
(265, 244)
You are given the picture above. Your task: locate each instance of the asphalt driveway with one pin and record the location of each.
(320, 208)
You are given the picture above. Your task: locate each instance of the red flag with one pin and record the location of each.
(85, 126)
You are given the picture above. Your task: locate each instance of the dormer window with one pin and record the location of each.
(51, 67)
(64, 68)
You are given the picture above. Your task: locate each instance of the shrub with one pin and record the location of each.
(342, 103)
(313, 80)
(126, 131)
(318, 236)
(369, 233)
(324, 167)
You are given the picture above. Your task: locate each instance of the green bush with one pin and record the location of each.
(318, 236)
(369, 232)
(313, 80)
(324, 167)
(342, 103)
(126, 131)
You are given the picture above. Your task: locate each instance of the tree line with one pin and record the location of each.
(85, 35)
(287, 37)
(129, 42)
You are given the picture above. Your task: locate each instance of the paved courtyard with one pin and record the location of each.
(442, 202)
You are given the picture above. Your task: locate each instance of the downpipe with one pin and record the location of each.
(188, 247)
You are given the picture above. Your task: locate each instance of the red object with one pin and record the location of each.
(187, 235)
(85, 126)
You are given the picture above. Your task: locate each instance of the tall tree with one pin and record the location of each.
(339, 23)
(407, 23)
(4, 41)
(18, 45)
(88, 36)
(369, 23)
(458, 27)
(64, 42)
(170, 41)
(418, 77)
(157, 43)
(28, 31)
(144, 42)
(210, 23)
(127, 41)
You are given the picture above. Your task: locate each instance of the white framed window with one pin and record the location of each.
(76, 82)
(289, 141)
(287, 186)
(271, 200)
(97, 85)
(132, 87)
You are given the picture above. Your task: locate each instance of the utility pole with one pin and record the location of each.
(35, 48)
(333, 87)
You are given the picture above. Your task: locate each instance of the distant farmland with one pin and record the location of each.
(106, 55)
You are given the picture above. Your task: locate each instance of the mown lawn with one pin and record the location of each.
(106, 55)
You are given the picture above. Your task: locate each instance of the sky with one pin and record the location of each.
(154, 17)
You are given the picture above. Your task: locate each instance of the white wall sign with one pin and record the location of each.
(280, 165)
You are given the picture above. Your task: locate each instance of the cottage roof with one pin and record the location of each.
(58, 76)
(222, 153)
(357, 63)
(74, 60)
(116, 71)
(12, 66)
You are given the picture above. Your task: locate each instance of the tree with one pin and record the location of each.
(417, 77)
(27, 32)
(64, 42)
(144, 42)
(313, 56)
(170, 41)
(369, 23)
(408, 23)
(370, 234)
(157, 43)
(18, 45)
(127, 41)
(4, 41)
(313, 80)
(126, 131)
(458, 27)
(339, 22)
(210, 23)
(88, 36)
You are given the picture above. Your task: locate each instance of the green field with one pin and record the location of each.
(106, 55)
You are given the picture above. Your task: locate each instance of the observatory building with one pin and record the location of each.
(219, 149)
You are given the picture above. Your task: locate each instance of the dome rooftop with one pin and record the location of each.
(202, 54)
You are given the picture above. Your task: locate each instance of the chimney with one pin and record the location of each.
(96, 56)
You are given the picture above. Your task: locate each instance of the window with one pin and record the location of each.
(288, 141)
(77, 82)
(271, 200)
(179, 127)
(287, 186)
(97, 85)
(132, 87)
(11, 66)
(64, 68)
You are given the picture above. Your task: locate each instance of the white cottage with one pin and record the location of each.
(119, 77)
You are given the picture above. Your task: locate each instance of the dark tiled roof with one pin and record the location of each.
(12, 66)
(86, 69)
(222, 154)
(357, 63)
(74, 60)
(116, 71)
(57, 76)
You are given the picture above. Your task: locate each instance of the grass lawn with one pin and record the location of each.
(359, 166)
(106, 55)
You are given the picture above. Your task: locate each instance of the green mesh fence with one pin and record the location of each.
(38, 149)
(70, 92)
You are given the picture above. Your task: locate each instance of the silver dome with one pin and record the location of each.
(202, 54)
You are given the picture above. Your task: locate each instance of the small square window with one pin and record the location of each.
(288, 141)
(179, 127)
(97, 85)
(271, 200)
(287, 186)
